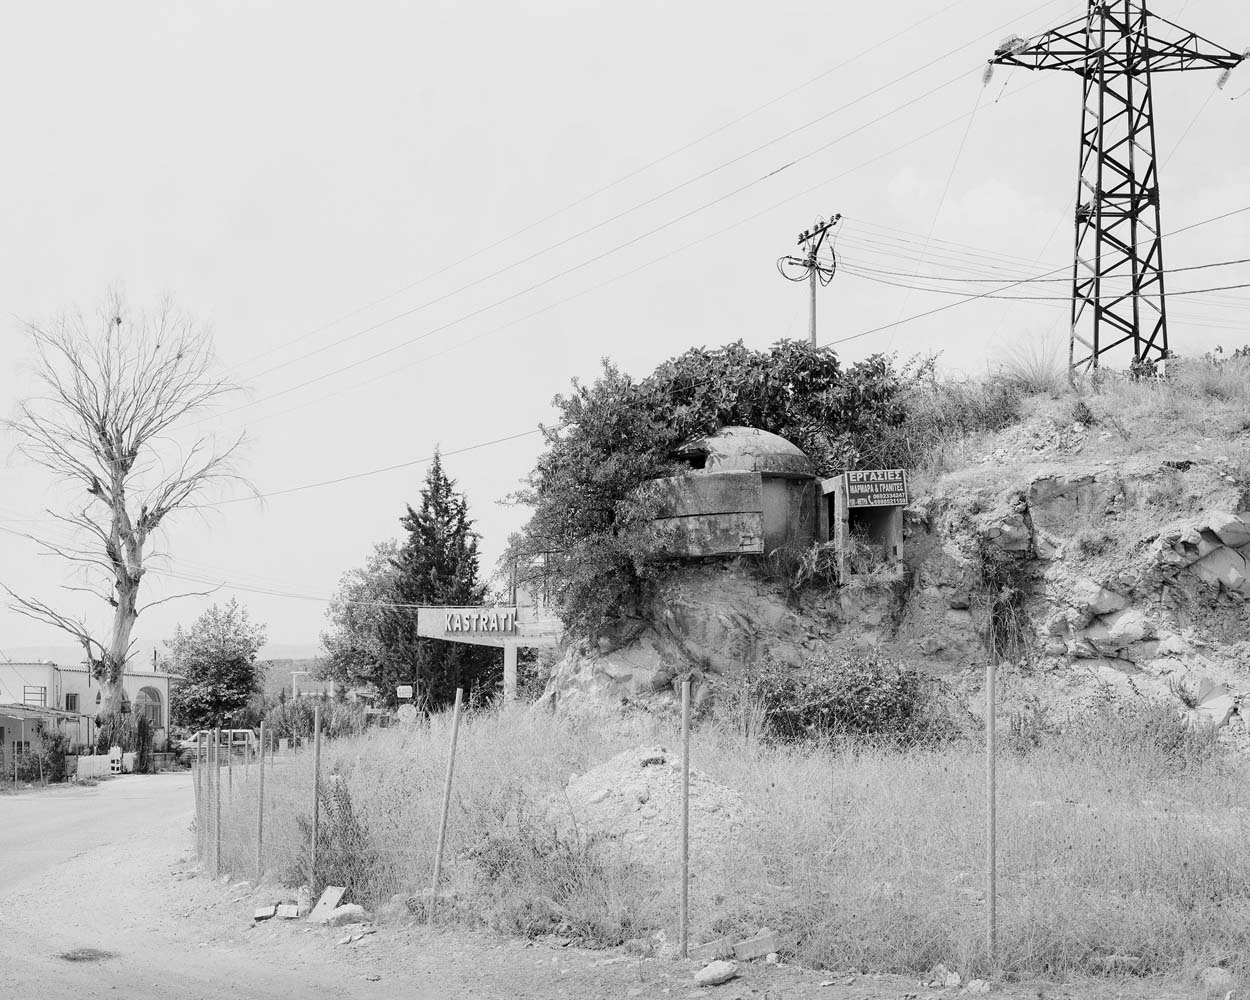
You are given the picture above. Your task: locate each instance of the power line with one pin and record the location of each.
(1046, 274)
(619, 180)
(580, 265)
(992, 294)
(702, 176)
(395, 369)
(1169, 270)
(376, 472)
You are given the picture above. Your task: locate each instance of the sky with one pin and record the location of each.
(410, 226)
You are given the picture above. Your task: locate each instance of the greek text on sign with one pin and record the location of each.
(876, 488)
(486, 620)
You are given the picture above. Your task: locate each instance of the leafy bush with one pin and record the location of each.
(861, 696)
(293, 718)
(53, 748)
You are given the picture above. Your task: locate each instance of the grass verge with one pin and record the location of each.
(1120, 836)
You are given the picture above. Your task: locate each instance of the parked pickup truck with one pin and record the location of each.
(238, 742)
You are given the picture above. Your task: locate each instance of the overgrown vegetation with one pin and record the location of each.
(617, 434)
(1115, 839)
(864, 697)
(46, 760)
(292, 718)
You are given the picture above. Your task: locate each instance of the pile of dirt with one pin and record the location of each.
(636, 796)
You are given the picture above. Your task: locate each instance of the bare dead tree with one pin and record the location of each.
(113, 394)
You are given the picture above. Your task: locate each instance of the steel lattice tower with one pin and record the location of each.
(1117, 274)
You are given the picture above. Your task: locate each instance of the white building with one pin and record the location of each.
(58, 690)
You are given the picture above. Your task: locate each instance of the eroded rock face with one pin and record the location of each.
(1104, 590)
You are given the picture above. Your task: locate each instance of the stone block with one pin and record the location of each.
(758, 946)
(288, 911)
(330, 898)
(265, 912)
(720, 948)
(1232, 529)
(1223, 566)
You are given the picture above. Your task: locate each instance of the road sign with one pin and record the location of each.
(404, 691)
(876, 488)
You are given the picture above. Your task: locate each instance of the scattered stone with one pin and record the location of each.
(772, 958)
(977, 987)
(350, 913)
(288, 911)
(720, 948)
(265, 912)
(1217, 979)
(330, 898)
(758, 946)
(599, 796)
(715, 973)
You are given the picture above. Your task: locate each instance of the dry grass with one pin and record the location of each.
(1120, 838)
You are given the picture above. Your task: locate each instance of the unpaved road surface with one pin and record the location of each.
(105, 874)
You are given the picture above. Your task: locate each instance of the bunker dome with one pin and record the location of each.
(747, 491)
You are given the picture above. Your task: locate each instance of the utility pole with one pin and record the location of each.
(810, 267)
(1117, 271)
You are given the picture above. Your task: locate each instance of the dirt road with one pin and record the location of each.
(105, 876)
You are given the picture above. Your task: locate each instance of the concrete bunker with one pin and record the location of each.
(747, 492)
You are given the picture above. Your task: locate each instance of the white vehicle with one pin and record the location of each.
(238, 742)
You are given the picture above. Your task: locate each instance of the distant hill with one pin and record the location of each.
(278, 673)
(70, 655)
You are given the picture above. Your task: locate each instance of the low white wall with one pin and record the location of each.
(94, 767)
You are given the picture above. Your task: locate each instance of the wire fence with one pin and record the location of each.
(268, 809)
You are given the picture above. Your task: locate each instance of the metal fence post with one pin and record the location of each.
(442, 823)
(991, 819)
(197, 778)
(230, 765)
(685, 819)
(217, 801)
(260, 807)
(316, 803)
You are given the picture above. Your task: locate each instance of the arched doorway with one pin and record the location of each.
(148, 706)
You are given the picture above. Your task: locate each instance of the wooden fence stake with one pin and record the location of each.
(316, 804)
(442, 823)
(260, 807)
(991, 819)
(230, 764)
(685, 819)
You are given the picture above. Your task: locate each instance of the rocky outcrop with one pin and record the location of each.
(1105, 576)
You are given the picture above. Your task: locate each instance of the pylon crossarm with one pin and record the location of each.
(1188, 51)
(1064, 47)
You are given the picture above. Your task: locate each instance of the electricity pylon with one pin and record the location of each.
(811, 267)
(1115, 48)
